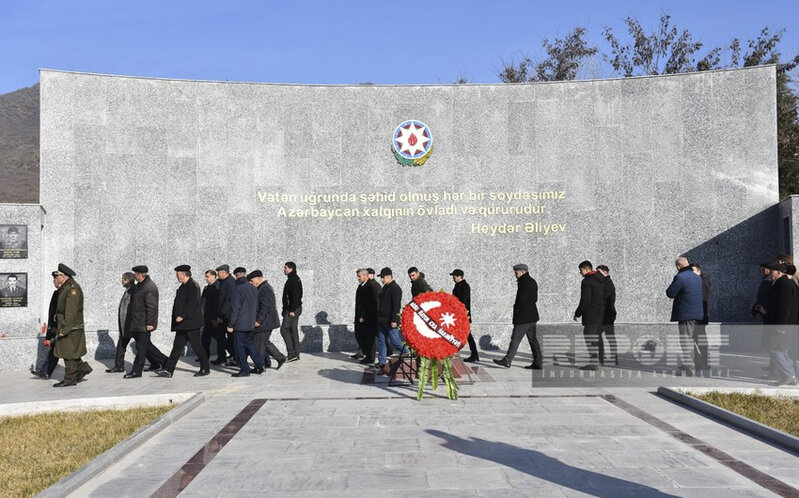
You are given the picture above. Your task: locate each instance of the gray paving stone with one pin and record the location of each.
(324, 442)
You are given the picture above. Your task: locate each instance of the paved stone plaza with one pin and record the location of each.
(320, 427)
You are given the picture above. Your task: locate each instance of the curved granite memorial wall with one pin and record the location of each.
(628, 172)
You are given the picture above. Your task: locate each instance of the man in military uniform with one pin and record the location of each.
(71, 339)
(13, 288)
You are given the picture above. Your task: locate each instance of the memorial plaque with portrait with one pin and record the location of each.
(13, 290)
(13, 241)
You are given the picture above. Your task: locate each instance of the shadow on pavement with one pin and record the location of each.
(545, 467)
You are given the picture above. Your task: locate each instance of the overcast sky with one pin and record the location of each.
(332, 41)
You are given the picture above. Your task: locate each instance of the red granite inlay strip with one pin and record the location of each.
(180, 479)
(758, 477)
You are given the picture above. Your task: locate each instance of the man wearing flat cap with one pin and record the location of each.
(243, 313)
(780, 320)
(525, 317)
(187, 319)
(71, 338)
(463, 292)
(266, 320)
(686, 291)
(143, 321)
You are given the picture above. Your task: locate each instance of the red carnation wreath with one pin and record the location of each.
(436, 326)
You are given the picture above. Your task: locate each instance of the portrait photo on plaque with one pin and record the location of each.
(13, 290)
(13, 241)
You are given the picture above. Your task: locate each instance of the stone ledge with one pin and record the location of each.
(784, 440)
(113, 455)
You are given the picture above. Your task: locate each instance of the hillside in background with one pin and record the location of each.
(19, 146)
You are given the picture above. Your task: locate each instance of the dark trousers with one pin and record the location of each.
(74, 367)
(265, 346)
(291, 334)
(610, 334)
(591, 336)
(473, 345)
(244, 345)
(218, 334)
(181, 337)
(700, 349)
(365, 334)
(145, 350)
(48, 364)
(522, 330)
(122, 346)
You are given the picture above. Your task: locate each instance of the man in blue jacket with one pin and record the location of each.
(243, 313)
(686, 290)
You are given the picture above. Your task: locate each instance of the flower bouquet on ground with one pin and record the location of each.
(435, 325)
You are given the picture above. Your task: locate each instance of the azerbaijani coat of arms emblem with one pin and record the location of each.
(412, 144)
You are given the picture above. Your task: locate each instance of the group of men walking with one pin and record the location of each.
(377, 312)
(238, 311)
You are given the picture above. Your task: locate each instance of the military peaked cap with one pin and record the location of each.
(66, 270)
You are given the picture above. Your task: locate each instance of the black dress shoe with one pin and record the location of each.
(533, 367)
(292, 358)
(153, 368)
(240, 374)
(203, 372)
(503, 362)
(366, 361)
(356, 356)
(43, 375)
(218, 361)
(65, 384)
(268, 364)
(472, 359)
(280, 363)
(131, 375)
(114, 370)
(164, 373)
(258, 370)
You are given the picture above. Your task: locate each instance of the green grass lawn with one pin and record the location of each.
(39, 450)
(779, 413)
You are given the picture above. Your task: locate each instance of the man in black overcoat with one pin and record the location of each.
(366, 316)
(525, 317)
(266, 320)
(187, 319)
(463, 292)
(591, 309)
(609, 318)
(780, 319)
(143, 321)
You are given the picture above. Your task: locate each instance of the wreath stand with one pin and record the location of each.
(404, 364)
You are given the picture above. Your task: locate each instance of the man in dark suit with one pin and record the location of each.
(143, 321)
(266, 320)
(187, 318)
(780, 320)
(591, 310)
(212, 329)
(243, 313)
(525, 316)
(609, 318)
(226, 283)
(128, 281)
(366, 316)
(292, 309)
(46, 369)
(463, 292)
(388, 309)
